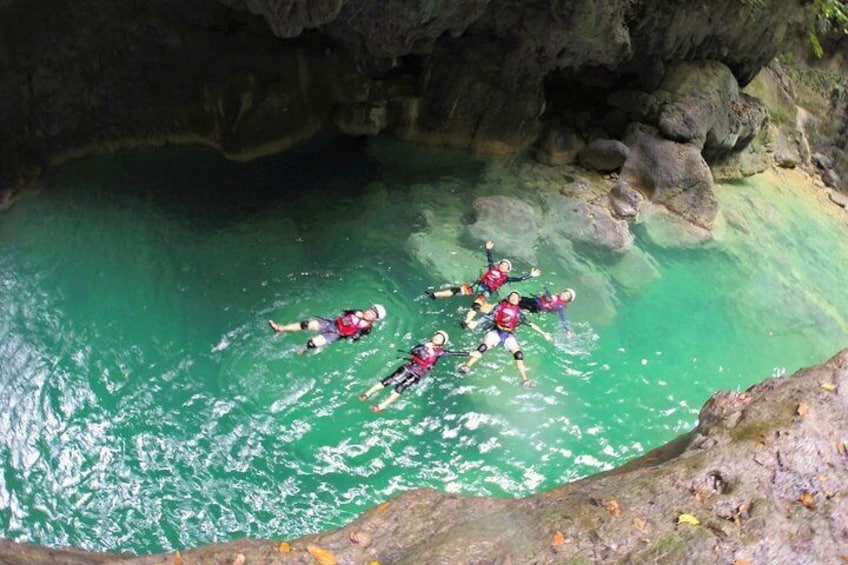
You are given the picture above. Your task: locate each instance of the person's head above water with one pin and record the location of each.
(513, 297)
(505, 265)
(439, 338)
(568, 295)
(376, 312)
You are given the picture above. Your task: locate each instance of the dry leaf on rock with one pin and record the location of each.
(178, 559)
(742, 562)
(840, 448)
(559, 539)
(828, 387)
(612, 507)
(240, 559)
(688, 519)
(383, 507)
(321, 555)
(639, 524)
(803, 409)
(285, 547)
(807, 500)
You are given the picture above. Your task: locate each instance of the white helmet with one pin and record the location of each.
(508, 264)
(444, 335)
(379, 310)
(572, 293)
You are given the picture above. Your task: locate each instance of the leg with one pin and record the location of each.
(316, 342)
(383, 405)
(374, 389)
(479, 304)
(294, 326)
(513, 347)
(491, 339)
(444, 293)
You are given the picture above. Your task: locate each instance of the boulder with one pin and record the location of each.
(577, 220)
(604, 155)
(559, 145)
(669, 173)
(510, 222)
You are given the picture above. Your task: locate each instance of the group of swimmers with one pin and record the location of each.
(500, 319)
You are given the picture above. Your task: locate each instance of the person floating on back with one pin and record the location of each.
(548, 302)
(505, 319)
(350, 324)
(494, 277)
(422, 358)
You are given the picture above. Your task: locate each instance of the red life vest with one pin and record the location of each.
(547, 304)
(425, 356)
(350, 323)
(493, 278)
(507, 316)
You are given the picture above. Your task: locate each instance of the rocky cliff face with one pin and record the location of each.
(763, 478)
(252, 77)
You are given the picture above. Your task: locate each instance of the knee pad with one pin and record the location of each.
(518, 356)
(310, 344)
(304, 324)
(483, 347)
(456, 290)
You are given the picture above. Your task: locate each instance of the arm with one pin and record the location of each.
(446, 353)
(534, 272)
(489, 245)
(564, 322)
(540, 331)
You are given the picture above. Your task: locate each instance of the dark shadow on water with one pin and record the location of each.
(201, 184)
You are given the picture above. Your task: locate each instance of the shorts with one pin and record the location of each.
(328, 330)
(403, 378)
(503, 336)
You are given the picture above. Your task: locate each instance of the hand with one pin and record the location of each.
(490, 244)
(569, 334)
(464, 368)
(547, 336)
(535, 272)
(528, 383)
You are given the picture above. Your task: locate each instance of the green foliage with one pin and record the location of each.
(831, 15)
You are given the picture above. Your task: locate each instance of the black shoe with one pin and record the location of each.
(431, 295)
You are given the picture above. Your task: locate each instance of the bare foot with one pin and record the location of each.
(375, 408)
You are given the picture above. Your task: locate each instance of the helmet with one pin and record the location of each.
(507, 262)
(444, 335)
(379, 310)
(572, 293)
(516, 293)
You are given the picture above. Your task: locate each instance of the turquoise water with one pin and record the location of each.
(145, 405)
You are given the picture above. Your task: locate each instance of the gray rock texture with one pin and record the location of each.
(252, 77)
(763, 478)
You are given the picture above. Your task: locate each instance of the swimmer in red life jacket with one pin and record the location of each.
(505, 319)
(549, 302)
(494, 277)
(350, 324)
(422, 358)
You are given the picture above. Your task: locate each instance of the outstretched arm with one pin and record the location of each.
(489, 245)
(534, 272)
(564, 322)
(446, 353)
(540, 331)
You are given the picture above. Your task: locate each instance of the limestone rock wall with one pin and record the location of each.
(251, 77)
